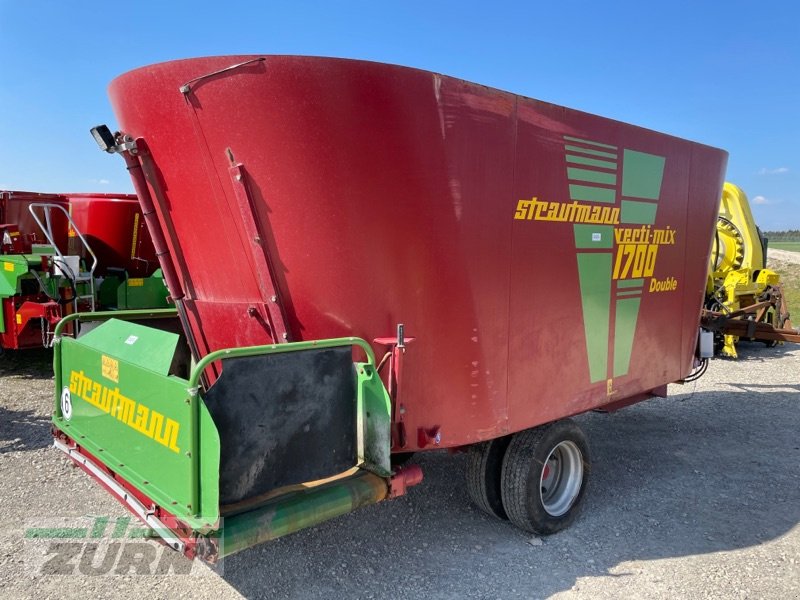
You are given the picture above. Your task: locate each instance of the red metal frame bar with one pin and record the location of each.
(130, 497)
(264, 270)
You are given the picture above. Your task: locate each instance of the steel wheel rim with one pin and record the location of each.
(561, 478)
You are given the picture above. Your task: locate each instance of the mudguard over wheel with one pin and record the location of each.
(484, 470)
(544, 476)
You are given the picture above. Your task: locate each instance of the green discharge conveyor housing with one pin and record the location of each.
(121, 399)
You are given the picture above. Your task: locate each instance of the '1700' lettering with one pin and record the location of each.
(635, 261)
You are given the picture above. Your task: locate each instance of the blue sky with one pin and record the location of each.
(722, 73)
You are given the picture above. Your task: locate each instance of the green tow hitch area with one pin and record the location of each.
(288, 436)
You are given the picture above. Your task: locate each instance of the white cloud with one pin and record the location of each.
(777, 171)
(99, 181)
(760, 200)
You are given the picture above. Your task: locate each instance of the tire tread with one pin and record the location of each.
(477, 473)
(516, 474)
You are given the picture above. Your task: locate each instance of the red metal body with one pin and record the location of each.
(116, 232)
(14, 211)
(112, 224)
(18, 227)
(368, 195)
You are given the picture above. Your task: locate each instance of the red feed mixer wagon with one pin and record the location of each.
(63, 253)
(114, 227)
(370, 260)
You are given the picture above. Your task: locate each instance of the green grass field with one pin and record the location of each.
(793, 246)
(790, 278)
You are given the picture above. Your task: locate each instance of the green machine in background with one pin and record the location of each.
(61, 254)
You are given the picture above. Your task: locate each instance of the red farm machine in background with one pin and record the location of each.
(313, 214)
(64, 253)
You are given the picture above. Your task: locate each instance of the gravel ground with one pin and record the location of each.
(786, 256)
(695, 496)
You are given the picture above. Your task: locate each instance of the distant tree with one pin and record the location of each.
(791, 235)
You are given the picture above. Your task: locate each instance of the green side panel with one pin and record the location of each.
(149, 292)
(12, 267)
(640, 213)
(624, 330)
(591, 193)
(208, 470)
(139, 424)
(594, 236)
(146, 347)
(42, 249)
(594, 271)
(642, 174)
(375, 408)
(591, 162)
(630, 283)
(629, 293)
(589, 142)
(591, 176)
(107, 292)
(590, 151)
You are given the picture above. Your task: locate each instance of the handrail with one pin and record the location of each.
(153, 313)
(275, 349)
(47, 229)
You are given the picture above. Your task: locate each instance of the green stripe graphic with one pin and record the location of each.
(594, 272)
(590, 151)
(591, 162)
(639, 213)
(624, 328)
(590, 142)
(593, 176)
(594, 236)
(642, 174)
(591, 193)
(629, 283)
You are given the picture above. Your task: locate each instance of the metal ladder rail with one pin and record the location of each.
(47, 229)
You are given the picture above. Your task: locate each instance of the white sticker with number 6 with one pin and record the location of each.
(66, 404)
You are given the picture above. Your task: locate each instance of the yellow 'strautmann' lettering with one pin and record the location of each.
(138, 417)
(572, 212)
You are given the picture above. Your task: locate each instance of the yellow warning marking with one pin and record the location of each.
(110, 368)
(19, 319)
(136, 282)
(135, 234)
(8, 266)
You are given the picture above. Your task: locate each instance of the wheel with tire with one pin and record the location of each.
(544, 476)
(484, 470)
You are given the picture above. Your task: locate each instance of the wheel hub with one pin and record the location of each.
(561, 478)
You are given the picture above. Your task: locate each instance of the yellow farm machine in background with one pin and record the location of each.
(744, 299)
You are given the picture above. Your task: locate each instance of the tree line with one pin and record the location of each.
(791, 235)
